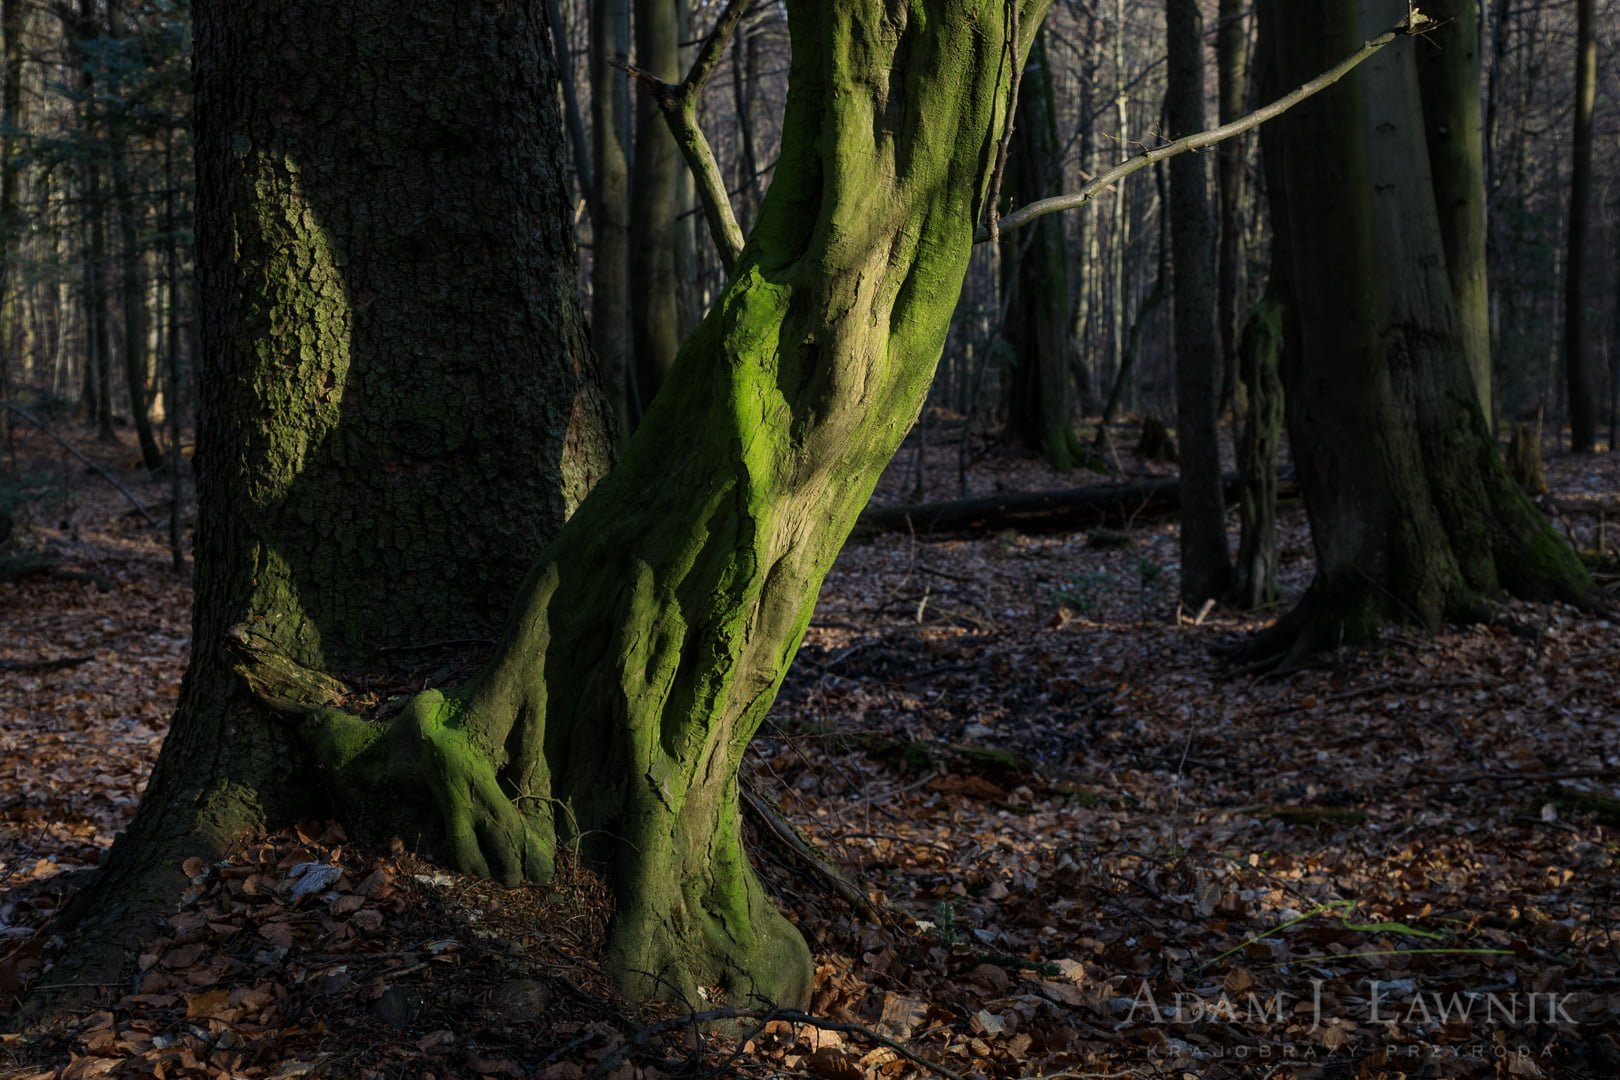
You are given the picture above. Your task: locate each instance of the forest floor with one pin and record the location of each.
(1092, 849)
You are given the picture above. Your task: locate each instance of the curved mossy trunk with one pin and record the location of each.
(654, 632)
(1413, 516)
(397, 408)
(1039, 401)
(1206, 572)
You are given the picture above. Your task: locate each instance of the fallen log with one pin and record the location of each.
(1073, 510)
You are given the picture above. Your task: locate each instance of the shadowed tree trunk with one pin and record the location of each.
(1413, 516)
(1448, 76)
(1039, 402)
(397, 407)
(655, 316)
(1577, 362)
(652, 633)
(611, 301)
(1259, 359)
(1206, 573)
(11, 24)
(132, 293)
(1232, 62)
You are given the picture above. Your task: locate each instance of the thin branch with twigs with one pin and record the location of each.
(678, 102)
(1414, 24)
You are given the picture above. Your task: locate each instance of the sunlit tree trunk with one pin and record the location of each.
(368, 367)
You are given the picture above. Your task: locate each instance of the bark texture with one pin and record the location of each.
(1577, 363)
(1413, 515)
(1449, 77)
(1205, 568)
(1038, 398)
(654, 632)
(611, 300)
(1259, 359)
(1232, 78)
(655, 316)
(397, 406)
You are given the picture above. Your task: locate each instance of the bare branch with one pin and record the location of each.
(678, 103)
(1414, 24)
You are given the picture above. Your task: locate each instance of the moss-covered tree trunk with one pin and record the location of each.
(653, 634)
(395, 394)
(1206, 572)
(1413, 516)
(1038, 397)
(397, 408)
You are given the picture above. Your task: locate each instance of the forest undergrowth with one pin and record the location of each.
(1090, 849)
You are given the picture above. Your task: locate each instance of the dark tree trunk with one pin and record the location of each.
(1413, 516)
(1038, 398)
(98, 327)
(742, 82)
(1577, 362)
(1232, 62)
(132, 292)
(655, 316)
(577, 140)
(374, 375)
(1448, 77)
(1259, 366)
(1205, 569)
(11, 24)
(397, 408)
(611, 301)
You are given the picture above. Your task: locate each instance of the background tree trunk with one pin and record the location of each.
(653, 635)
(1232, 76)
(611, 301)
(1260, 358)
(655, 317)
(1577, 364)
(1413, 515)
(1449, 78)
(11, 24)
(397, 408)
(1035, 265)
(1205, 569)
(132, 293)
